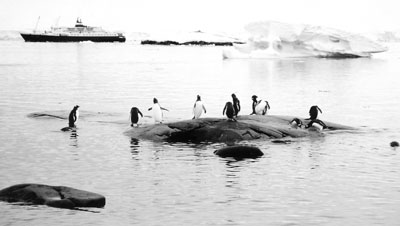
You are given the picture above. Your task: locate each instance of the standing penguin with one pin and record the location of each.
(314, 112)
(135, 112)
(254, 104)
(73, 116)
(262, 107)
(230, 111)
(198, 108)
(259, 107)
(157, 111)
(236, 104)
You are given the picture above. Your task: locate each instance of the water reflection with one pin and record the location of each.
(134, 145)
(74, 138)
(315, 152)
(234, 168)
(232, 173)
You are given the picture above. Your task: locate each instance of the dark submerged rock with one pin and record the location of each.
(54, 196)
(239, 152)
(394, 144)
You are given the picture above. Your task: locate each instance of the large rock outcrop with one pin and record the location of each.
(55, 196)
(247, 127)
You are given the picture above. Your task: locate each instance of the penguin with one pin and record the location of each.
(157, 111)
(316, 124)
(296, 123)
(73, 116)
(259, 107)
(255, 102)
(198, 108)
(135, 112)
(236, 104)
(230, 111)
(262, 107)
(314, 112)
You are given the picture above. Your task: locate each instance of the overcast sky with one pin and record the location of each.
(206, 15)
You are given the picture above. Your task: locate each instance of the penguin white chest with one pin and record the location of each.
(198, 109)
(260, 107)
(77, 115)
(157, 113)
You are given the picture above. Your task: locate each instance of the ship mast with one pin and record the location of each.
(37, 22)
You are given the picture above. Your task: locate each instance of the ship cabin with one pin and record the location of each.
(79, 23)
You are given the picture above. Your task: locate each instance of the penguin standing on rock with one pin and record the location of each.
(157, 111)
(314, 112)
(236, 104)
(259, 107)
(73, 116)
(230, 111)
(135, 112)
(198, 108)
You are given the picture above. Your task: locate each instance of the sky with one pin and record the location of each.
(193, 15)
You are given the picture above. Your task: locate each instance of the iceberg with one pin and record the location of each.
(272, 39)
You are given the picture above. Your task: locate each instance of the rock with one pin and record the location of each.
(394, 144)
(192, 43)
(54, 196)
(197, 38)
(239, 152)
(281, 141)
(247, 127)
(66, 129)
(48, 114)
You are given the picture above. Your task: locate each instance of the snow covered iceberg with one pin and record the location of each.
(280, 40)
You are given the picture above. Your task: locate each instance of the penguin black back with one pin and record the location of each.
(236, 104)
(229, 110)
(135, 112)
(314, 112)
(73, 116)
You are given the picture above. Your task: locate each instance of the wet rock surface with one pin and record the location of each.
(54, 196)
(247, 127)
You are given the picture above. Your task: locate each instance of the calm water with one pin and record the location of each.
(339, 178)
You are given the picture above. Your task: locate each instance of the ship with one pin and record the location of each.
(79, 33)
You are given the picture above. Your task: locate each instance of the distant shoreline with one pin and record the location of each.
(199, 43)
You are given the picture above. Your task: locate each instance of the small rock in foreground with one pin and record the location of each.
(239, 152)
(54, 196)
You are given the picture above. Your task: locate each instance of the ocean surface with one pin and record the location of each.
(335, 178)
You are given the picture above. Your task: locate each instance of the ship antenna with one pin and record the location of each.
(37, 22)
(57, 21)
